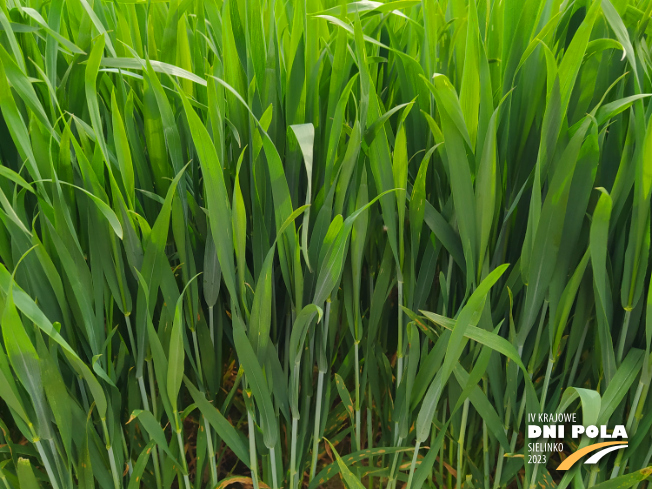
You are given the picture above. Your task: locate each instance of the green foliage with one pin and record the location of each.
(431, 219)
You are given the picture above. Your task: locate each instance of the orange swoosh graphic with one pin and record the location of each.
(570, 460)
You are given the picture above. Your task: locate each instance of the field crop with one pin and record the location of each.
(306, 243)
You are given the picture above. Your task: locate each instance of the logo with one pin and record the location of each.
(604, 448)
(557, 432)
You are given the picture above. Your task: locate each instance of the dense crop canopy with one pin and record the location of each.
(302, 243)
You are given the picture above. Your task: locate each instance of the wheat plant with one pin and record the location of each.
(305, 243)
